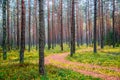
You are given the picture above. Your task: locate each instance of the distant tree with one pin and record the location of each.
(29, 25)
(99, 22)
(14, 27)
(89, 25)
(35, 22)
(113, 22)
(22, 32)
(18, 31)
(53, 37)
(61, 4)
(81, 29)
(68, 20)
(102, 27)
(49, 42)
(95, 15)
(11, 31)
(72, 50)
(77, 22)
(4, 30)
(86, 20)
(41, 37)
(8, 25)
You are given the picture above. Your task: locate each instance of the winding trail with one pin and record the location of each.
(59, 60)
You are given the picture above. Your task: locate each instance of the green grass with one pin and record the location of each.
(29, 71)
(108, 57)
(33, 54)
(10, 69)
(57, 50)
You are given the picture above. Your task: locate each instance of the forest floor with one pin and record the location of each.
(84, 65)
(107, 73)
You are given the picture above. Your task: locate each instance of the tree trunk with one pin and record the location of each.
(95, 15)
(49, 42)
(36, 24)
(41, 37)
(77, 23)
(18, 38)
(8, 23)
(14, 32)
(4, 30)
(89, 38)
(72, 30)
(22, 32)
(53, 24)
(113, 16)
(29, 25)
(86, 25)
(61, 27)
(35, 21)
(102, 27)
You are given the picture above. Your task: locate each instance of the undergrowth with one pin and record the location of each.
(29, 71)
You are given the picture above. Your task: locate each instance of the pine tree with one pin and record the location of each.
(18, 34)
(4, 30)
(95, 14)
(49, 42)
(22, 32)
(61, 3)
(113, 16)
(41, 37)
(29, 25)
(73, 30)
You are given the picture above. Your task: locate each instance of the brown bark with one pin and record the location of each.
(22, 32)
(8, 23)
(95, 15)
(72, 51)
(61, 3)
(18, 38)
(41, 37)
(49, 41)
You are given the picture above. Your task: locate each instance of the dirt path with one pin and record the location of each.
(86, 69)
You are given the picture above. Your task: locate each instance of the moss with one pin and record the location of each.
(29, 71)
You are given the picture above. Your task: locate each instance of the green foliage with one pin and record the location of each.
(107, 57)
(33, 54)
(29, 71)
(10, 69)
(109, 38)
(64, 74)
(56, 50)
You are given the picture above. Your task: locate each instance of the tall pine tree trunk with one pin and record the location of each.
(61, 3)
(4, 30)
(95, 15)
(113, 16)
(29, 25)
(72, 51)
(77, 23)
(49, 42)
(35, 21)
(102, 27)
(8, 23)
(53, 24)
(22, 32)
(41, 37)
(86, 25)
(18, 38)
